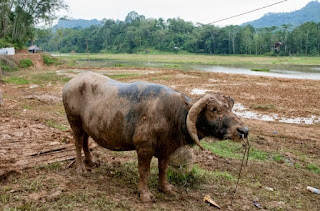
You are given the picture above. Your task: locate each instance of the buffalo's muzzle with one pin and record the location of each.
(244, 131)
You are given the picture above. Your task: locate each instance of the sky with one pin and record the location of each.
(202, 11)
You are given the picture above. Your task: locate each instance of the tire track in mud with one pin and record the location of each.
(25, 143)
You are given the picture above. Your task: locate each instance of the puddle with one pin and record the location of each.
(242, 112)
(298, 72)
(199, 91)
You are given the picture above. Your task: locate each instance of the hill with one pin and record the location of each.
(311, 12)
(77, 23)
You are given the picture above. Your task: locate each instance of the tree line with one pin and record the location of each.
(139, 34)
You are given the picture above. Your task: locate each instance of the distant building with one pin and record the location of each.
(34, 49)
(7, 51)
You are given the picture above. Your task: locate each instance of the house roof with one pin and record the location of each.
(33, 47)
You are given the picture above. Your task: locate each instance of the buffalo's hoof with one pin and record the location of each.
(91, 163)
(168, 189)
(81, 169)
(146, 196)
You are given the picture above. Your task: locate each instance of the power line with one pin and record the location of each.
(270, 5)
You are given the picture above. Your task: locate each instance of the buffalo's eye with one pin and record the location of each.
(213, 109)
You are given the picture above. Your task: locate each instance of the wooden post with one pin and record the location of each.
(1, 101)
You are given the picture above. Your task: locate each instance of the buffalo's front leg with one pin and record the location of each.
(164, 185)
(144, 159)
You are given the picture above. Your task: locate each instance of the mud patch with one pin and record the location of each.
(242, 112)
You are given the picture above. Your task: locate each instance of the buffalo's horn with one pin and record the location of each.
(193, 115)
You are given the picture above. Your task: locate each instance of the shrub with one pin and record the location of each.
(24, 63)
(49, 60)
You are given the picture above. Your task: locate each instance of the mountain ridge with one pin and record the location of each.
(309, 13)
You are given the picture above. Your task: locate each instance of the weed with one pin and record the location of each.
(24, 63)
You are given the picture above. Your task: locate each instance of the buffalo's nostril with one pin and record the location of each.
(243, 131)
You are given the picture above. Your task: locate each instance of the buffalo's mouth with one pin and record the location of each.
(243, 132)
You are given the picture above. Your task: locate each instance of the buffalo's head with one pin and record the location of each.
(212, 115)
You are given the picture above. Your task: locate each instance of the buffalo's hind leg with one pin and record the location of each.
(164, 185)
(80, 137)
(87, 154)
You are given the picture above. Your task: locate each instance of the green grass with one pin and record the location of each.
(52, 77)
(53, 124)
(313, 168)
(38, 78)
(197, 176)
(24, 63)
(278, 158)
(16, 80)
(229, 149)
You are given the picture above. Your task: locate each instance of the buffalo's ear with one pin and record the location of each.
(186, 100)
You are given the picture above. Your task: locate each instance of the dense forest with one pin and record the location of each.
(138, 34)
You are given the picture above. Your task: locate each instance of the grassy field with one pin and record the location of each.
(198, 59)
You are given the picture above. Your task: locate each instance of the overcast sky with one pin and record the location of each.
(203, 11)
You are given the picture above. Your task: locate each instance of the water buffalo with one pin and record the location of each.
(150, 118)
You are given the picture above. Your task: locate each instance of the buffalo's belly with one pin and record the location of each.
(114, 144)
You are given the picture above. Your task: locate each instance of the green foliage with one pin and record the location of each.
(24, 63)
(4, 43)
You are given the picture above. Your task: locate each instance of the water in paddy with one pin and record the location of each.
(280, 71)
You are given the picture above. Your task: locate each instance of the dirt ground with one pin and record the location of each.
(36, 153)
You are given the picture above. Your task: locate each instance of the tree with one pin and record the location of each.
(18, 18)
